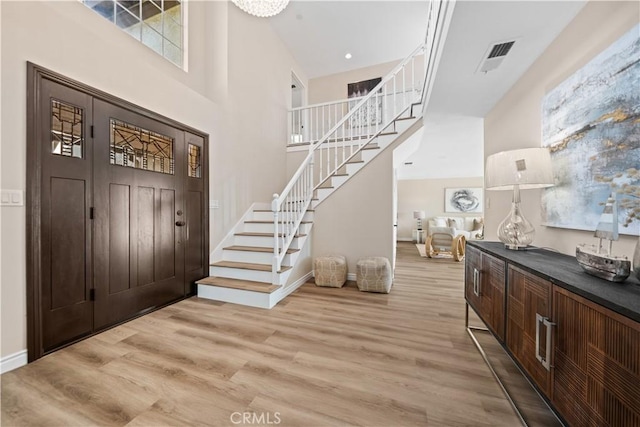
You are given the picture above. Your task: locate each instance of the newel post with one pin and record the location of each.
(275, 265)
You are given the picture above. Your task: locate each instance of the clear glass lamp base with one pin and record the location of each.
(515, 231)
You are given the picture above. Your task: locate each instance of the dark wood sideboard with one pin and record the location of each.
(575, 336)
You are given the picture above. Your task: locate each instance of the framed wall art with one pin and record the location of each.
(463, 200)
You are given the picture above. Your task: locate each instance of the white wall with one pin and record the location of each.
(357, 220)
(427, 195)
(250, 162)
(237, 90)
(334, 86)
(515, 122)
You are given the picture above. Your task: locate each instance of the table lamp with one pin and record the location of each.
(518, 170)
(419, 215)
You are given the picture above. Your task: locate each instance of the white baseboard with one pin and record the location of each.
(350, 276)
(13, 361)
(295, 285)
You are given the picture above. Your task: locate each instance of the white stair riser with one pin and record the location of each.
(236, 296)
(353, 168)
(368, 155)
(337, 181)
(243, 274)
(268, 216)
(252, 257)
(253, 227)
(261, 241)
(403, 125)
(324, 192)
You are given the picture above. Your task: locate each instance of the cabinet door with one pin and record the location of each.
(485, 287)
(529, 301)
(492, 298)
(472, 269)
(597, 363)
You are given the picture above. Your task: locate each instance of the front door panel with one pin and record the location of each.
(139, 241)
(65, 244)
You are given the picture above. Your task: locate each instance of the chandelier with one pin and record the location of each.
(261, 8)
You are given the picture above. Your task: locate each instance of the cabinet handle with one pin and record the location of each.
(546, 360)
(476, 282)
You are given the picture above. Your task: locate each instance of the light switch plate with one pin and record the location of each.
(214, 204)
(11, 198)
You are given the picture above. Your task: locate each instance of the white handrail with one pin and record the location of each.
(371, 115)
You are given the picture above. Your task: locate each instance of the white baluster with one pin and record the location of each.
(404, 88)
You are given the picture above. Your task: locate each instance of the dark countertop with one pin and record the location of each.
(564, 271)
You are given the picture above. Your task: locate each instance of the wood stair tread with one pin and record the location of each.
(248, 266)
(245, 285)
(406, 118)
(271, 222)
(350, 138)
(256, 249)
(246, 233)
(269, 210)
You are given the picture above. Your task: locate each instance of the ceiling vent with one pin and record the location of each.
(494, 56)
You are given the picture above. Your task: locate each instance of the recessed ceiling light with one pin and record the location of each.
(348, 56)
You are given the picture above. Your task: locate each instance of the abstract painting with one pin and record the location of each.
(463, 200)
(591, 124)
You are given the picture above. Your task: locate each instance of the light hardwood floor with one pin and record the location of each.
(322, 357)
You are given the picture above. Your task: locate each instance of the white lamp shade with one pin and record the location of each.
(527, 167)
(418, 214)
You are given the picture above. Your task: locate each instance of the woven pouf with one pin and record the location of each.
(330, 271)
(373, 274)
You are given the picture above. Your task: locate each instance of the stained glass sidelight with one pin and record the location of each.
(67, 138)
(135, 147)
(194, 161)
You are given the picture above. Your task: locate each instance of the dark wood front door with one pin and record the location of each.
(66, 310)
(117, 201)
(139, 214)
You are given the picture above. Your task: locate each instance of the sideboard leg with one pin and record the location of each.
(470, 330)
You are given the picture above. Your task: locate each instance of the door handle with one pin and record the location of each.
(476, 282)
(546, 360)
(180, 223)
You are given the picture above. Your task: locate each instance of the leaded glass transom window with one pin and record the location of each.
(135, 147)
(67, 137)
(194, 161)
(159, 24)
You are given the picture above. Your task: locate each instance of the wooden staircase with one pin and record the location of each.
(241, 271)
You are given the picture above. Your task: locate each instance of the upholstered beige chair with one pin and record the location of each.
(443, 239)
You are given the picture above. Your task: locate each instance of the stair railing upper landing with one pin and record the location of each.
(361, 121)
